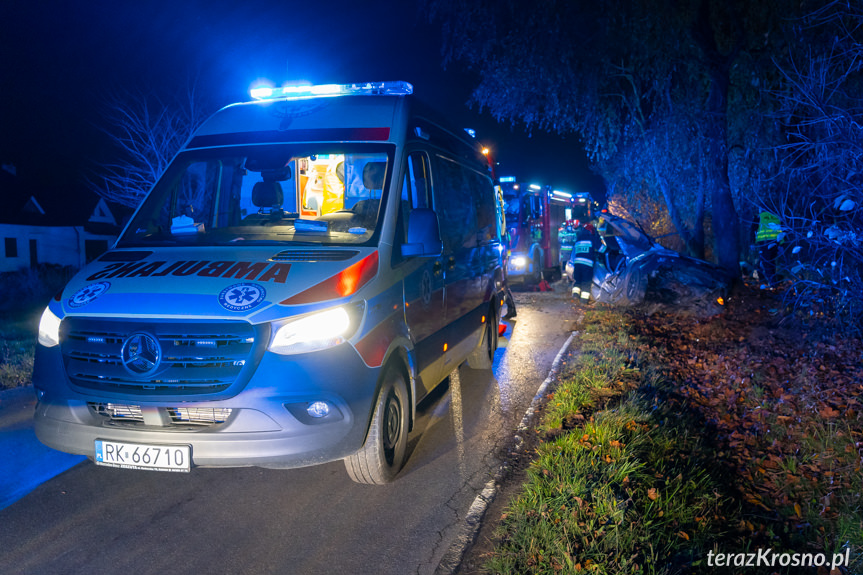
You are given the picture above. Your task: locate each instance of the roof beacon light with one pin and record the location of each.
(261, 93)
(560, 194)
(329, 90)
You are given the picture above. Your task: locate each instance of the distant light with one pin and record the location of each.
(485, 151)
(507, 179)
(581, 200)
(535, 187)
(470, 132)
(515, 187)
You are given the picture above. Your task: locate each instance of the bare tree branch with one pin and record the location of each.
(147, 132)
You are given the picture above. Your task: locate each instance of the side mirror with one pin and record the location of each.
(423, 234)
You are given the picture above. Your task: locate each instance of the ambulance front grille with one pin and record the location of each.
(196, 358)
(132, 415)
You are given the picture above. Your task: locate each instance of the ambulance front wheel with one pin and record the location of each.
(483, 356)
(383, 454)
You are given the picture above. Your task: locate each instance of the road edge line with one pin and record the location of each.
(451, 561)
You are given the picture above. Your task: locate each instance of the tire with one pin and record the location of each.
(635, 288)
(384, 452)
(483, 356)
(536, 276)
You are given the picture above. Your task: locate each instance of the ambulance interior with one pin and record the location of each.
(272, 194)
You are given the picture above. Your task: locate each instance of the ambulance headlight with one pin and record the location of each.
(316, 331)
(49, 329)
(519, 262)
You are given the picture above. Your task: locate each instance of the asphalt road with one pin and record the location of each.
(94, 520)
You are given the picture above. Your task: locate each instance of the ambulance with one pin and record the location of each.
(308, 268)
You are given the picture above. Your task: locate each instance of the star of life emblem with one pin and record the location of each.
(241, 297)
(87, 294)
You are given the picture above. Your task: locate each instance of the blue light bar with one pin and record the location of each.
(535, 187)
(470, 132)
(329, 90)
(507, 179)
(560, 194)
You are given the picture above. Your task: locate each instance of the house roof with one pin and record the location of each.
(55, 207)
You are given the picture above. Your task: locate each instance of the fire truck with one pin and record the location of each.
(535, 215)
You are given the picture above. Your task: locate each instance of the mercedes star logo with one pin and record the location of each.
(141, 354)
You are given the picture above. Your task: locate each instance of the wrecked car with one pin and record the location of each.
(633, 267)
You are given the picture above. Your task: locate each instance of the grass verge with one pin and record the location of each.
(17, 345)
(29, 290)
(655, 455)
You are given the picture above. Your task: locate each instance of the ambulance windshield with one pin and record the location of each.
(311, 193)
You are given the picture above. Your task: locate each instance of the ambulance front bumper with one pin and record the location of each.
(274, 421)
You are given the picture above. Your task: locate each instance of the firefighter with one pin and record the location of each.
(510, 303)
(583, 258)
(566, 238)
(767, 240)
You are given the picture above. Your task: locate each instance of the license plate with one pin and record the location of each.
(141, 456)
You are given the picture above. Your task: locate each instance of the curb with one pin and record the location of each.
(452, 559)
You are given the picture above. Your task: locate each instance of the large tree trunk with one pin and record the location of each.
(697, 249)
(726, 238)
(726, 241)
(674, 214)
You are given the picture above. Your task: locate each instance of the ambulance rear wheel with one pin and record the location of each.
(383, 454)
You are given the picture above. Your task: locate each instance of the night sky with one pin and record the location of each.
(60, 58)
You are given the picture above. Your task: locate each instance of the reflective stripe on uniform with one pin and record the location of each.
(769, 227)
(583, 261)
(582, 247)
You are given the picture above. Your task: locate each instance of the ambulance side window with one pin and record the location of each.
(417, 181)
(483, 197)
(416, 188)
(456, 208)
(415, 193)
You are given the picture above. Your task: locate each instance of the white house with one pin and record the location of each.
(62, 230)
